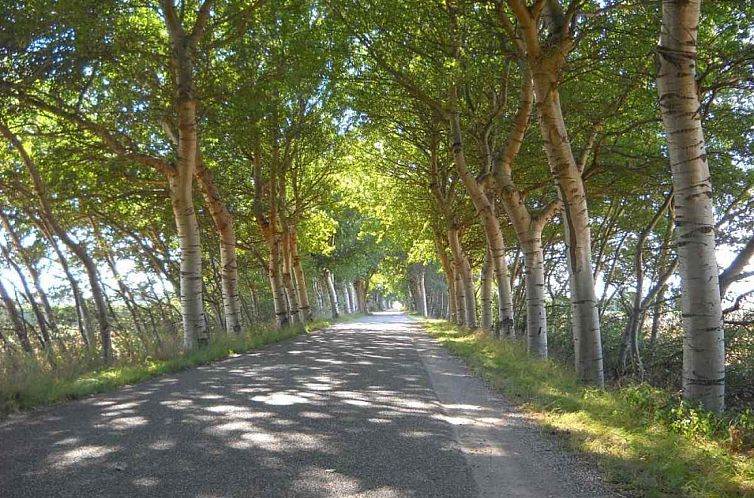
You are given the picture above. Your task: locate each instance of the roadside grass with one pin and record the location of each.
(31, 387)
(644, 440)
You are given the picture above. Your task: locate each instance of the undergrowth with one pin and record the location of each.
(28, 383)
(645, 439)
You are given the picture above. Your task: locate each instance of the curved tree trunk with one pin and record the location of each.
(78, 249)
(44, 332)
(545, 64)
(16, 320)
(82, 317)
(704, 340)
(223, 222)
(585, 313)
(31, 268)
(494, 234)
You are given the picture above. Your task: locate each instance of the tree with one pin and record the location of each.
(704, 342)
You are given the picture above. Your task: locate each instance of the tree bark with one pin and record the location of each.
(704, 340)
(536, 313)
(290, 288)
(192, 308)
(223, 223)
(545, 64)
(298, 271)
(450, 277)
(347, 307)
(486, 292)
(494, 234)
(330, 284)
(276, 279)
(465, 280)
(181, 178)
(361, 295)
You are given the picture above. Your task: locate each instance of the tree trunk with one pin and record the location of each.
(330, 284)
(46, 343)
(417, 288)
(352, 297)
(347, 304)
(465, 279)
(361, 295)
(486, 292)
(192, 308)
(536, 314)
(125, 292)
(491, 225)
(298, 271)
(276, 279)
(33, 272)
(450, 278)
(79, 250)
(290, 288)
(629, 351)
(82, 317)
(223, 223)
(704, 340)
(16, 320)
(585, 314)
(422, 289)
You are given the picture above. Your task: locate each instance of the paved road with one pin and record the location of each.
(374, 408)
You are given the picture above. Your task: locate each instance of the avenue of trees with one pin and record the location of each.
(573, 174)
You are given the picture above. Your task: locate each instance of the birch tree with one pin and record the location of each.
(704, 341)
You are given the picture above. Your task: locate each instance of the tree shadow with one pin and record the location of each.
(345, 412)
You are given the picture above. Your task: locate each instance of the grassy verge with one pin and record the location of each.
(643, 440)
(34, 389)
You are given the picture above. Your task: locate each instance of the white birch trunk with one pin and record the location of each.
(491, 225)
(536, 314)
(585, 314)
(465, 279)
(421, 287)
(192, 309)
(298, 271)
(279, 300)
(223, 222)
(352, 297)
(330, 282)
(704, 340)
(486, 292)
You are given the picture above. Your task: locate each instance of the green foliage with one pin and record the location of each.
(645, 439)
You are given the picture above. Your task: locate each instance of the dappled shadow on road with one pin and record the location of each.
(344, 412)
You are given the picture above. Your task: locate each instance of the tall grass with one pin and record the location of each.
(27, 382)
(643, 438)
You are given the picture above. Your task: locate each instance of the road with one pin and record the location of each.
(374, 408)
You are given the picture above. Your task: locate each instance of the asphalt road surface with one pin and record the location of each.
(370, 408)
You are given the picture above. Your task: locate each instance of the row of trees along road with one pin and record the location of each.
(206, 165)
